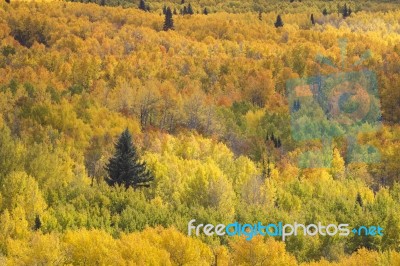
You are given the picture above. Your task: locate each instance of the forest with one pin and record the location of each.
(204, 98)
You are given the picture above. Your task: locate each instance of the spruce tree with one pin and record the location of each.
(312, 19)
(190, 9)
(325, 12)
(169, 22)
(142, 5)
(125, 167)
(359, 200)
(345, 11)
(279, 22)
(205, 11)
(38, 223)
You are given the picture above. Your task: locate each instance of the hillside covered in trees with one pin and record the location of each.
(205, 101)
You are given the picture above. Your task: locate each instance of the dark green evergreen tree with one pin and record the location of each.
(164, 10)
(184, 12)
(190, 9)
(359, 200)
(312, 19)
(169, 22)
(279, 22)
(142, 5)
(345, 11)
(125, 167)
(38, 223)
(205, 11)
(325, 12)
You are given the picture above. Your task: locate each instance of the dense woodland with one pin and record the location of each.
(202, 101)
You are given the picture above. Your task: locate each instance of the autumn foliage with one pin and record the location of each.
(207, 107)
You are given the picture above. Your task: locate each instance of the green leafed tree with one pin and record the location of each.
(125, 167)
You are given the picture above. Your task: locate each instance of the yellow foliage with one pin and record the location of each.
(260, 252)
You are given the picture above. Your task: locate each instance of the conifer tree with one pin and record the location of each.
(279, 22)
(205, 11)
(125, 168)
(169, 22)
(345, 11)
(142, 5)
(260, 15)
(359, 200)
(190, 9)
(325, 12)
(38, 223)
(312, 19)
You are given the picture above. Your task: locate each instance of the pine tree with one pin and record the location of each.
(184, 12)
(345, 11)
(205, 11)
(142, 5)
(312, 19)
(125, 168)
(190, 9)
(279, 22)
(164, 10)
(175, 12)
(359, 200)
(325, 12)
(169, 22)
(38, 223)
